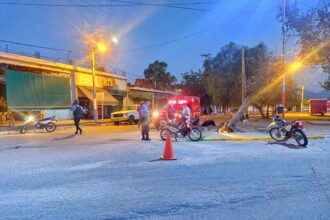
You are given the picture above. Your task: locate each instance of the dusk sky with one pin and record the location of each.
(176, 36)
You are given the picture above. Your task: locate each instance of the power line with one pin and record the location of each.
(10, 50)
(127, 4)
(36, 46)
(136, 49)
(185, 36)
(169, 5)
(124, 71)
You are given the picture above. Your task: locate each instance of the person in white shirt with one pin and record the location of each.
(186, 114)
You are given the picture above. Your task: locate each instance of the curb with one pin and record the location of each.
(259, 138)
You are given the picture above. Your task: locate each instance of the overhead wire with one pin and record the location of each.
(185, 36)
(136, 49)
(35, 46)
(124, 71)
(126, 4)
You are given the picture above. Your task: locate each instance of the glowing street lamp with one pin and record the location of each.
(294, 67)
(102, 48)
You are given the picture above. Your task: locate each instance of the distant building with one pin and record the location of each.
(144, 90)
(145, 83)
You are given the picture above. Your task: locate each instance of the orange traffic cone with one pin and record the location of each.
(168, 151)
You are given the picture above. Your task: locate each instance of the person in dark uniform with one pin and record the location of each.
(145, 120)
(77, 114)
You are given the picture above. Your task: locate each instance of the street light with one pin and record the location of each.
(295, 66)
(102, 48)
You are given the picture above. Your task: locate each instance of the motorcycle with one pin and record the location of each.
(182, 130)
(46, 123)
(277, 121)
(281, 130)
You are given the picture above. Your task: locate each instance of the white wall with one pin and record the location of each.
(59, 113)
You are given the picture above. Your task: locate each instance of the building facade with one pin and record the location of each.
(40, 86)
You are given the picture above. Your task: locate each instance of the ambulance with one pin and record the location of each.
(177, 103)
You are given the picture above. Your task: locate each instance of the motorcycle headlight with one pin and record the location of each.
(155, 114)
(30, 118)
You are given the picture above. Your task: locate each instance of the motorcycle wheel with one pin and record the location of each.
(23, 129)
(179, 135)
(195, 134)
(50, 127)
(163, 133)
(277, 134)
(300, 138)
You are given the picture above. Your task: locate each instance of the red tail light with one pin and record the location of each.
(299, 123)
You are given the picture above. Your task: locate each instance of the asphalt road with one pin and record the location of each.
(108, 173)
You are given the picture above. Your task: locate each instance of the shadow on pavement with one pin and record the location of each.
(64, 138)
(154, 160)
(290, 146)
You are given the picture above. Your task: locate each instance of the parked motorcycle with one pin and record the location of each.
(46, 123)
(182, 130)
(281, 131)
(277, 121)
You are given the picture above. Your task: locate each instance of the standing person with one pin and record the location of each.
(186, 114)
(145, 120)
(77, 113)
(170, 114)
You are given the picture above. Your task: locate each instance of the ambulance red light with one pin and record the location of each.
(182, 102)
(171, 102)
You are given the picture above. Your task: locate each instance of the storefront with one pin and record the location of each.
(34, 85)
(110, 93)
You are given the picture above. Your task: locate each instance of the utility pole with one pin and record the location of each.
(95, 114)
(243, 76)
(206, 56)
(283, 56)
(302, 97)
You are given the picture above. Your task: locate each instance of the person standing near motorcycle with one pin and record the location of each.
(170, 114)
(186, 114)
(77, 113)
(145, 121)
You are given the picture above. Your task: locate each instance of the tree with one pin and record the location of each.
(312, 27)
(222, 76)
(264, 78)
(157, 71)
(193, 84)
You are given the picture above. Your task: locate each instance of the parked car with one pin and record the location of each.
(128, 114)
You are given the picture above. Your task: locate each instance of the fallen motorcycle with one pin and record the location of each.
(280, 130)
(182, 130)
(46, 123)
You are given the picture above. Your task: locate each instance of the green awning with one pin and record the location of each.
(132, 94)
(31, 91)
(108, 98)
